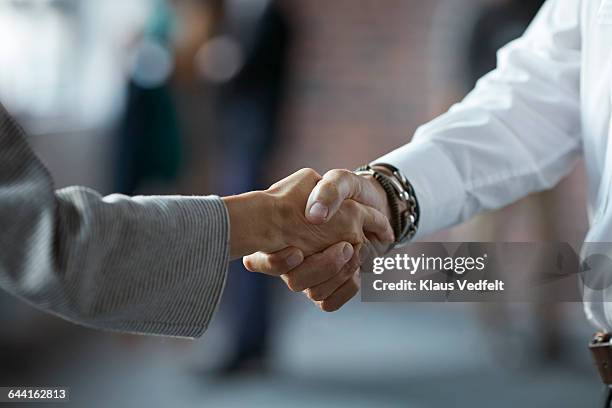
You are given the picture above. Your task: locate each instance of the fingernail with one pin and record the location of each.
(294, 260)
(318, 210)
(347, 252)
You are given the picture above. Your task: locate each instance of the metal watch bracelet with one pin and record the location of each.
(400, 193)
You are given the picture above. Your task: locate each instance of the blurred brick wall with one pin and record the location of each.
(359, 84)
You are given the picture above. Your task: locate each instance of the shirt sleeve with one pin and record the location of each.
(517, 132)
(149, 265)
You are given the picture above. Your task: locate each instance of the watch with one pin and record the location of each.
(403, 203)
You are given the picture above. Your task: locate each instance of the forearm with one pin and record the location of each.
(153, 265)
(516, 133)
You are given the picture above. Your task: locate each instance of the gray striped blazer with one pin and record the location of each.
(150, 265)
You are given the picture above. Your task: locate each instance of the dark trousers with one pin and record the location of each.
(607, 397)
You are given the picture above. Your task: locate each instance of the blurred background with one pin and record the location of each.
(225, 96)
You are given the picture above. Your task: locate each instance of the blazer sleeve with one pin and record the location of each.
(148, 265)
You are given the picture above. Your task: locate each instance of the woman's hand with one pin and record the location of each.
(274, 219)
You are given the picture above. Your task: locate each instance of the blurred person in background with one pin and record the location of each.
(150, 141)
(248, 60)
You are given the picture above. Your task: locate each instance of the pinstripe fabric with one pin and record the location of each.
(150, 265)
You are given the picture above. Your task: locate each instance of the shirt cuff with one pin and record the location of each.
(436, 183)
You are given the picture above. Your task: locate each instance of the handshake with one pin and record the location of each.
(314, 232)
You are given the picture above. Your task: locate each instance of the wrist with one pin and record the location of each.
(382, 200)
(254, 223)
(402, 201)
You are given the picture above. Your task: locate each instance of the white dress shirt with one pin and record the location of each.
(523, 127)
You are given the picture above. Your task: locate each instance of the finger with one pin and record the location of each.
(376, 223)
(329, 193)
(275, 264)
(320, 267)
(327, 288)
(300, 176)
(341, 296)
(365, 253)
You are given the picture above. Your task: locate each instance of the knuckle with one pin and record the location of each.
(293, 285)
(330, 188)
(275, 185)
(267, 265)
(249, 264)
(310, 173)
(338, 174)
(275, 263)
(315, 294)
(293, 288)
(329, 306)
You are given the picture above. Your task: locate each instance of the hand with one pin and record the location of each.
(274, 219)
(350, 221)
(342, 280)
(328, 278)
(336, 186)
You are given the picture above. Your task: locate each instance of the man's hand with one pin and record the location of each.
(350, 221)
(323, 203)
(335, 187)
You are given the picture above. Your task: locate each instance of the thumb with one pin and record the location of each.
(329, 193)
